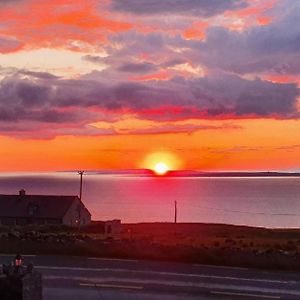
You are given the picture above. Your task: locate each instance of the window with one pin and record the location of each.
(33, 209)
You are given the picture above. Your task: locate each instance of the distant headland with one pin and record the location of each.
(190, 173)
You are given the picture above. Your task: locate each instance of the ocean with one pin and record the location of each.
(257, 201)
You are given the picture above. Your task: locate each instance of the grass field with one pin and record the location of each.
(214, 235)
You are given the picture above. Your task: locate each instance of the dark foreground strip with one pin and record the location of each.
(244, 295)
(111, 286)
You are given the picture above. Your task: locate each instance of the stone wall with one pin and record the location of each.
(28, 287)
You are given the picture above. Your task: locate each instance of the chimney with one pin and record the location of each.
(22, 192)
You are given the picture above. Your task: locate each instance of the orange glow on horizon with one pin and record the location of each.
(207, 150)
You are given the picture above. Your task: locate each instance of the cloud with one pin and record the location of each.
(262, 49)
(40, 75)
(168, 128)
(173, 62)
(75, 100)
(236, 149)
(147, 67)
(137, 68)
(290, 148)
(203, 8)
(67, 106)
(27, 99)
(214, 96)
(44, 131)
(9, 45)
(72, 25)
(93, 59)
(3, 2)
(155, 50)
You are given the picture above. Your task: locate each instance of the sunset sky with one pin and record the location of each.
(211, 85)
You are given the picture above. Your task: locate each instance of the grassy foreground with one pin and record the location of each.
(216, 244)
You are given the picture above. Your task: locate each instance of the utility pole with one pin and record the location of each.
(175, 216)
(80, 192)
(78, 221)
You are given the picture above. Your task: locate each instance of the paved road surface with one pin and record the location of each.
(106, 279)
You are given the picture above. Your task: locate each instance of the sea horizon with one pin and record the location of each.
(169, 173)
(252, 201)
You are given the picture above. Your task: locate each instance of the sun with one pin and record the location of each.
(161, 162)
(161, 168)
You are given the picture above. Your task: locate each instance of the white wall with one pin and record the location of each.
(72, 218)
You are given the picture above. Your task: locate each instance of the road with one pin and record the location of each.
(105, 279)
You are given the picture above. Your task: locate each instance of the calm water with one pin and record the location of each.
(270, 202)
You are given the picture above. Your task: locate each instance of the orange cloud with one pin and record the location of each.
(156, 76)
(283, 78)
(196, 31)
(264, 20)
(57, 22)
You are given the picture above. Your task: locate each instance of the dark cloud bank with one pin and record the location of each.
(62, 102)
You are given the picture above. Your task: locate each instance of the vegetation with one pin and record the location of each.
(187, 242)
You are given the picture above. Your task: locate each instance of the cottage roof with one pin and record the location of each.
(35, 206)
